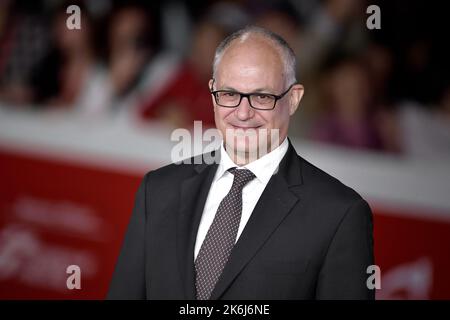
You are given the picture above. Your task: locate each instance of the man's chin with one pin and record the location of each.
(243, 146)
(246, 146)
(251, 143)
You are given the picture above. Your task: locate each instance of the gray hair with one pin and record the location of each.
(286, 52)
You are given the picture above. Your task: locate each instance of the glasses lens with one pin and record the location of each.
(228, 98)
(262, 101)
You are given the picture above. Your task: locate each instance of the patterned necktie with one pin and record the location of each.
(221, 236)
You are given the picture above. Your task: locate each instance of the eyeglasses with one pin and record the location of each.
(257, 100)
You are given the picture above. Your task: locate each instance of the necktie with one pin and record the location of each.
(221, 236)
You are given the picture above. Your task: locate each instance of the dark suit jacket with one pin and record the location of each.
(309, 237)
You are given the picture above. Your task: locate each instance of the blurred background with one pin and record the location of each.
(85, 113)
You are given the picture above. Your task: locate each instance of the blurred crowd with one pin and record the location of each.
(384, 90)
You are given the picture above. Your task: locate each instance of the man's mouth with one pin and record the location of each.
(244, 127)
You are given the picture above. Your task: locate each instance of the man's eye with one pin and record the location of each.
(229, 94)
(263, 97)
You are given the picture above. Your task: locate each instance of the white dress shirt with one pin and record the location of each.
(263, 168)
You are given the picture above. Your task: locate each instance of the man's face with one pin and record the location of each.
(253, 66)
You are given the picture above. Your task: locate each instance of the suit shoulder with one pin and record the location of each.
(176, 171)
(170, 172)
(326, 185)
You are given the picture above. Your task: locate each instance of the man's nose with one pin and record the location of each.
(244, 111)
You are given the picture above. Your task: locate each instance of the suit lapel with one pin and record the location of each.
(194, 192)
(273, 206)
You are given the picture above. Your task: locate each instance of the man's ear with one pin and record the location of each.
(210, 84)
(295, 97)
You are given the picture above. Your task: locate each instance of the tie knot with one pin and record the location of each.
(241, 176)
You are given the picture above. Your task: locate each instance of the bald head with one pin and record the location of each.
(260, 41)
(254, 62)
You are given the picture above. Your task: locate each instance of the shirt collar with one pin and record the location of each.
(263, 168)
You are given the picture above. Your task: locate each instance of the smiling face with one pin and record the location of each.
(249, 66)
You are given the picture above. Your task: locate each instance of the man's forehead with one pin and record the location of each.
(253, 45)
(250, 64)
(251, 55)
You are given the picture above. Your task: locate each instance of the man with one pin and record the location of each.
(275, 227)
